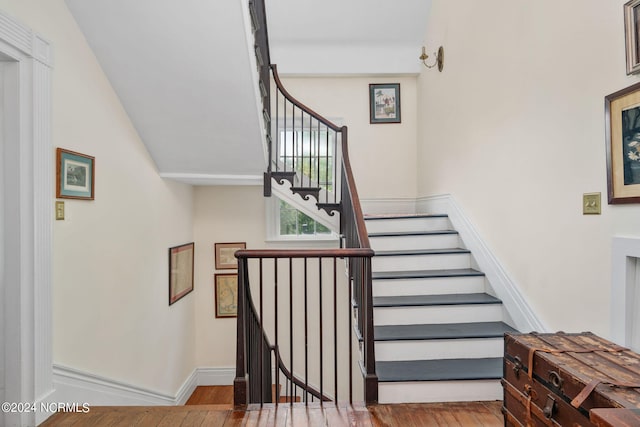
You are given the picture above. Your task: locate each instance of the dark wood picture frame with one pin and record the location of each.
(224, 255)
(622, 135)
(632, 34)
(180, 271)
(384, 103)
(226, 295)
(75, 175)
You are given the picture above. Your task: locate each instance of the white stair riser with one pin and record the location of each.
(408, 224)
(434, 241)
(439, 391)
(437, 314)
(439, 349)
(431, 286)
(421, 262)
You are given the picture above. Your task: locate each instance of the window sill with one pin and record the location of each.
(329, 241)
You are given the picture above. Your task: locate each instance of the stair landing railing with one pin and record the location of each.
(305, 317)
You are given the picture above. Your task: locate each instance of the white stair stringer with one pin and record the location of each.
(309, 207)
(439, 329)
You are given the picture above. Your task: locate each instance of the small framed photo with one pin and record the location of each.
(75, 175)
(622, 125)
(384, 103)
(632, 34)
(224, 255)
(226, 295)
(180, 271)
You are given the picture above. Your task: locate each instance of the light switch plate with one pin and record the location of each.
(591, 203)
(59, 211)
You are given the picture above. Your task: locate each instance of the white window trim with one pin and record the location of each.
(273, 229)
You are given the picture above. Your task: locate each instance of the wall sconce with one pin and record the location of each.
(439, 58)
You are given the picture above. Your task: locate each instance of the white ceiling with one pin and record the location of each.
(347, 36)
(184, 70)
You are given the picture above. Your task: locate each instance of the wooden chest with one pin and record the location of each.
(556, 379)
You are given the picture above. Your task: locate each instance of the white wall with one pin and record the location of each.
(513, 128)
(111, 313)
(382, 155)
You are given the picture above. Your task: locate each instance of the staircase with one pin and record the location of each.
(438, 330)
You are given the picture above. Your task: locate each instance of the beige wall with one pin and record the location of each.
(513, 128)
(382, 155)
(110, 309)
(221, 214)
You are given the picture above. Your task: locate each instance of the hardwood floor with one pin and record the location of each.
(212, 406)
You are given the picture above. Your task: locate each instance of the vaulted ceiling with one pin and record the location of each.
(184, 69)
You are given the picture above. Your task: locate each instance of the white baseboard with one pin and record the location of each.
(216, 376)
(504, 287)
(75, 386)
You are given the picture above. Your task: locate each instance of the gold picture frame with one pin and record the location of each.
(180, 271)
(226, 295)
(224, 255)
(622, 125)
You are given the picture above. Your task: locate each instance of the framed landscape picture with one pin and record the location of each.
(622, 125)
(224, 255)
(75, 175)
(180, 271)
(226, 295)
(384, 103)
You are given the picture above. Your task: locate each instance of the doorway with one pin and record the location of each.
(26, 211)
(2, 226)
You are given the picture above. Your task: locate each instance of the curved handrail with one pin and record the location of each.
(300, 105)
(247, 254)
(355, 199)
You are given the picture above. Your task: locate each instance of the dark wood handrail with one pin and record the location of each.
(363, 236)
(304, 253)
(300, 105)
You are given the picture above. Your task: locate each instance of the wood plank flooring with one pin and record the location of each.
(221, 413)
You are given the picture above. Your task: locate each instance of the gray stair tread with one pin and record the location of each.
(423, 252)
(440, 370)
(426, 274)
(412, 233)
(407, 216)
(434, 300)
(441, 331)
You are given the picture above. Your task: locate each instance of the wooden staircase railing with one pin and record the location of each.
(297, 305)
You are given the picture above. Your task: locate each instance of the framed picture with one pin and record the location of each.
(75, 175)
(226, 295)
(224, 255)
(180, 271)
(622, 125)
(632, 32)
(384, 103)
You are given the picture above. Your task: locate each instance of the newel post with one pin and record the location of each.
(240, 383)
(371, 378)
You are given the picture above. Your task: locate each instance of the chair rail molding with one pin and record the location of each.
(505, 288)
(28, 154)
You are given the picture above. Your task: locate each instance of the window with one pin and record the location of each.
(311, 153)
(296, 223)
